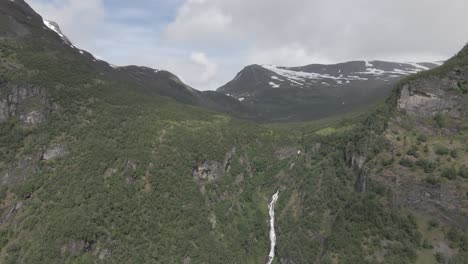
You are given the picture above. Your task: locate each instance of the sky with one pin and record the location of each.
(206, 42)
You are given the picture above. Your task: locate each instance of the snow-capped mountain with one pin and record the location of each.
(317, 90)
(255, 78)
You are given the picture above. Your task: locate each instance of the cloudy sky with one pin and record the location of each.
(206, 42)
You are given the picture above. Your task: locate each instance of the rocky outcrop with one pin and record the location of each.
(208, 171)
(28, 103)
(53, 152)
(8, 215)
(129, 171)
(20, 170)
(211, 170)
(445, 202)
(285, 153)
(354, 159)
(79, 246)
(426, 97)
(442, 201)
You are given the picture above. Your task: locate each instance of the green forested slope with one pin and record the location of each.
(95, 170)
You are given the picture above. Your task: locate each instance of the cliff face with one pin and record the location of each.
(28, 103)
(427, 97)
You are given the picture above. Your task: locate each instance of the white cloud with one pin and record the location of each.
(196, 21)
(288, 55)
(210, 68)
(337, 30)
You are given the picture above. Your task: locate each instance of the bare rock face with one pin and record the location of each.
(208, 171)
(354, 158)
(53, 152)
(285, 153)
(445, 202)
(429, 97)
(211, 170)
(20, 170)
(79, 246)
(32, 118)
(426, 97)
(28, 103)
(8, 215)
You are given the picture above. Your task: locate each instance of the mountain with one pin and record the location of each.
(105, 164)
(149, 80)
(316, 91)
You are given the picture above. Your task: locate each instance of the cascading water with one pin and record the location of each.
(271, 208)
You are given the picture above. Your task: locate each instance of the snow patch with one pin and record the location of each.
(418, 66)
(274, 85)
(368, 64)
(53, 28)
(276, 78)
(300, 77)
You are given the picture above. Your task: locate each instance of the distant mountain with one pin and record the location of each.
(317, 90)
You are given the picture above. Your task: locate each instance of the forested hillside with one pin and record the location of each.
(94, 169)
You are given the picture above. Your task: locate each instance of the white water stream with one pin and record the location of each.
(271, 208)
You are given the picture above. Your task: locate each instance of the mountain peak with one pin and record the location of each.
(56, 28)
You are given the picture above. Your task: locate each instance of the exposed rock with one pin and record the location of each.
(212, 170)
(239, 178)
(79, 246)
(354, 158)
(53, 152)
(444, 249)
(10, 214)
(208, 171)
(427, 97)
(212, 219)
(315, 149)
(361, 183)
(445, 202)
(130, 171)
(228, 159)
(105, 253)
(109, 172)
(20, 170)
(32, 118)
(27, 102)
(286, 153)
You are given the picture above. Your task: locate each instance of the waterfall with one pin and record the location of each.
(271, 208)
